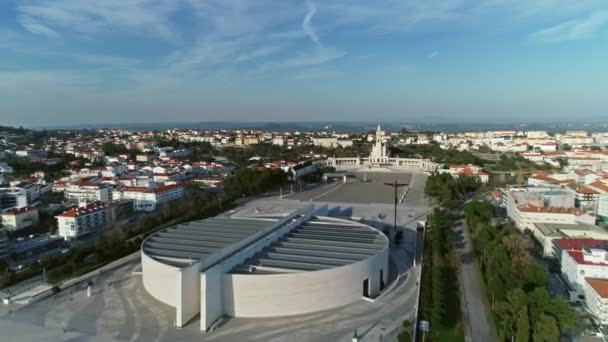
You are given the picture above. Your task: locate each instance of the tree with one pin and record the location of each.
(3, 266)
(545, 329)
(523, 326)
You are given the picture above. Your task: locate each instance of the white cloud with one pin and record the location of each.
(135, 16)
(576, 29)
(264, 51)
(306, 26)
(319, 55)
(433, 55)
(35, 27)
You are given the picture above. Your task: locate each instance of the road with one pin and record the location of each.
(479, 324)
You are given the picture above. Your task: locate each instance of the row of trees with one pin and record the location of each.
(448, 191)
(436, 153)
(515, 281)
(439, 297)
(247, 181)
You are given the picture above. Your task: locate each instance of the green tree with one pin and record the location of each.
(523, 326)
(545, 329)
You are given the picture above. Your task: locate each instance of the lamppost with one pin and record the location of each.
(396, 186)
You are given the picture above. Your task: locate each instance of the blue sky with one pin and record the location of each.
(112, 61)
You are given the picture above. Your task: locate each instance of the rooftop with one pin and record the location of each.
(579, 244)
(599, 285)
(558, 228)
(318, 244)
(197, 240)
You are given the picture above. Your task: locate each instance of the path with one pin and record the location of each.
(480, 326)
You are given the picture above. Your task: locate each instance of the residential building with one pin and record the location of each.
(149, 199)
(547, 233)
(82, 219)
(19, 218)
(88, 191)
(457, 170)
(582, 259)
(13, 197)
(595, 291)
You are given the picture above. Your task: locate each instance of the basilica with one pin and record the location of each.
(380, 160)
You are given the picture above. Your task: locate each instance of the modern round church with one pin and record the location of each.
(264, 265)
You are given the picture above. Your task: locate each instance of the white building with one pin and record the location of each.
(596, 298)
(264, 265)
(19, 218)
(82, 219)
(148, 199)
(526, 207)
(86, 191)
(379, 158)
(547, 233)
(582, 259)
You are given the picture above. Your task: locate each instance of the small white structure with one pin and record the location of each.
(263, 266)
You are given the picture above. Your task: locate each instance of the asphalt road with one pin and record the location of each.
(479, 324)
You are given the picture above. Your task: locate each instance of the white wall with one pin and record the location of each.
(251, 295)
(188, 294)
(160, 280)
(596, 304)
(212, 305)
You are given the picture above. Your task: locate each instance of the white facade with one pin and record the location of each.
(578, 265)
(88, 192)
(20, 218)
(211, 286)
(82, 220)
(596, 298)
(148, 199)
(379, 157)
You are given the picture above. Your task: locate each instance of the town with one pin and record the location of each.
(74, 201)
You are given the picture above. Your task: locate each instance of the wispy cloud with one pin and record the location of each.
(320, 55)
(581, 28)
(432, 55)
(306, 25)
(33, 26)
(264, 51)
(137, 16)
(309, 74)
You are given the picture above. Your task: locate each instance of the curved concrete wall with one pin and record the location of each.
(160, 280)
(267, 295)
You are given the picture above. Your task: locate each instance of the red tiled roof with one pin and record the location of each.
(586, 190)
(550, 210)
(22, 210)
(600, 185)
(599, 285)
(76, 211)
(156, 190)
(579, 244)
(580, 259)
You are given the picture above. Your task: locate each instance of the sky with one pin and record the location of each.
(72, 62)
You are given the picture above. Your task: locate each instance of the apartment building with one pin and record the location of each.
(149, 199)
(87, 191)
(19, 218)
(82, 219)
